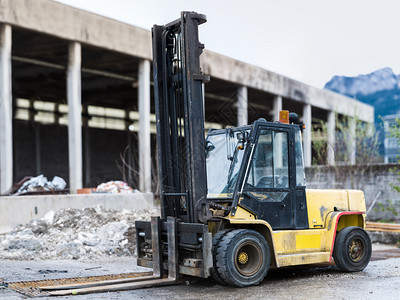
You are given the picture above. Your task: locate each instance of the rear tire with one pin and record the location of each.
(241, 257)
(352, 251)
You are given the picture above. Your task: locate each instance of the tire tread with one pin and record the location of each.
(215, 274)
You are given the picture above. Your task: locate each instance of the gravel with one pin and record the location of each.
(89, 233)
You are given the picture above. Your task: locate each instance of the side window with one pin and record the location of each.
(270, 165)
(300, 175)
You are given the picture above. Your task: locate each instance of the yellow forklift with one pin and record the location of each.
(233, 204)
(237, 199)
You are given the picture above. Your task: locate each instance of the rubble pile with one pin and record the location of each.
(115, 187)
(89, 233)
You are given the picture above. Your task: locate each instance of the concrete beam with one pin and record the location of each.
(242, 104)
(74, 116)
(6, 145)
(75, 24)
(144, 126)
(307, 135)
(331, 131)
(238, 72)
(277, 107)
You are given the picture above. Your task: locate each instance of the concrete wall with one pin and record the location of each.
(371, 179)
(35, 207)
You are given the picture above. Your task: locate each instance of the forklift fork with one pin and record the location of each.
(157, 279)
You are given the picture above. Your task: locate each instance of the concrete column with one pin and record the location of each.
(144, 126)
(307, 134)
(38, 151)
(74, 116)
(129, 143)
(331, 128)
(276, 108)
(86, 143)
(352, 141)
(242, 102)
(6, 146)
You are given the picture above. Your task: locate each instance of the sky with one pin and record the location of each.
(308, 40)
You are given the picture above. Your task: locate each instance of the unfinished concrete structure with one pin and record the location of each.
(391, 144)
(76, 101)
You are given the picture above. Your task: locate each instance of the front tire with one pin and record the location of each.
(352, 251)
(242, 258)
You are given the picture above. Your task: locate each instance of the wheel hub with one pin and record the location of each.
(243, 258)
(355, 250)
(248, 258)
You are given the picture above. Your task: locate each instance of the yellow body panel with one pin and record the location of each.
(310, 241)
(243, 214)
(294, 241)
(303, 259)
(321, 202)
(356, 200)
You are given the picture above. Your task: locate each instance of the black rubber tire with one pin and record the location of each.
(217, 238)
(252, 247)
(353, 249)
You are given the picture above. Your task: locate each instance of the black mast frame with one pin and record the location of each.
(179, 107)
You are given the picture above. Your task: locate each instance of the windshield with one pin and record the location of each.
(223, 164)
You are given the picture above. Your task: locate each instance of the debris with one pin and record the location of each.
(47, 271)
(114, 187)
(93, 268)
(383, 227)
(85, 190)
(40, 184)
(89, 233)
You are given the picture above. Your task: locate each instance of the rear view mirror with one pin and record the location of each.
(241, 137)
(209, 147)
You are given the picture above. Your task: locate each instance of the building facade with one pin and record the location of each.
(76, 97)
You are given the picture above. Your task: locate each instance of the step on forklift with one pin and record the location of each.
(233, 204)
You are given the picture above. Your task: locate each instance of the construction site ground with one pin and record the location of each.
(380, 280)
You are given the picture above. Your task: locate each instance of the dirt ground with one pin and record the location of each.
(380, 280)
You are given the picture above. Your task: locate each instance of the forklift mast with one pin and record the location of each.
(178, 94)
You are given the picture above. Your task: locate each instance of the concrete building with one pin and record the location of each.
(76, 97)
(391, 144)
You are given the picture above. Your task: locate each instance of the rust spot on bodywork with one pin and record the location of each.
(331, 221)
(322, 211)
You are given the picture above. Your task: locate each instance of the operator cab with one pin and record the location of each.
(259, 168)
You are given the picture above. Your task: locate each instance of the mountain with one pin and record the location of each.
(379, 89)
(380, 80)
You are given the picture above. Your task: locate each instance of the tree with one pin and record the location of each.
(349, 169)
(365, 141)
